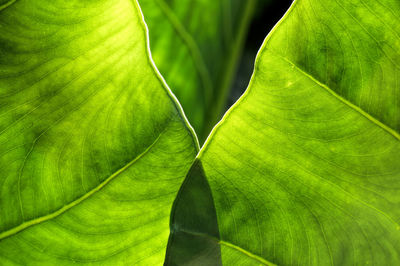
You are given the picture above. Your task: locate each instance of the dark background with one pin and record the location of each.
(267, 14)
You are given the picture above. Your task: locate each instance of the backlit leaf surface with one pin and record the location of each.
(305, 168)
(93, 147)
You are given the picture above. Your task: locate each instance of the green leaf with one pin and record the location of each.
(305, 168)
(196, 45)
(93, 146)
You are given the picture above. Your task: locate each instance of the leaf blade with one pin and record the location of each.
(298, 173)
(73, 99)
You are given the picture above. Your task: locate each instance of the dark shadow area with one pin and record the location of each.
(194, 228)
(267, 14)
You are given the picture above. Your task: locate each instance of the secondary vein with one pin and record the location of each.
(348, 103)
(230, 245)
(60, 211)
(9, 3)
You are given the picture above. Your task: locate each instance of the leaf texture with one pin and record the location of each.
(305, 168)
(88, 169)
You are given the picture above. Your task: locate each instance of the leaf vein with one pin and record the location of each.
(60, 211)
(351, 105)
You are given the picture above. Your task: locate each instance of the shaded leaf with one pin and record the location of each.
(196, 45)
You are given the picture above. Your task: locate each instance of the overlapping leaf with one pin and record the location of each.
(305, 168)
(88, 168)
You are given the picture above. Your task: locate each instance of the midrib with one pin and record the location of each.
(192, 46)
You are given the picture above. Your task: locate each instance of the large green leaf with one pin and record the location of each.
(305, 168)
(93, 147)
(196, 45)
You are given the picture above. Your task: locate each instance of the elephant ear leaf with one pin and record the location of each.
(305, 168)
(88, 130)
